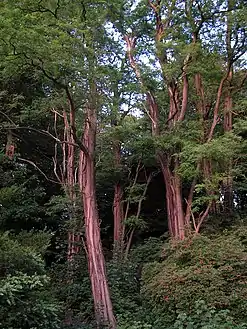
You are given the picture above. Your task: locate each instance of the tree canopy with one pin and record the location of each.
(123, 163)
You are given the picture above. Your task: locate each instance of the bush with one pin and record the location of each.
(71, 285)
(200, 268)
(149, 251)
(25, 301)
(206, 318)
(14, 257)
(124, 287)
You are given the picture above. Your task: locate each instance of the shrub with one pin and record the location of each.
(124, 287)
(200, 268)
(149, 251)
(25, 300)
(71, 285)
(24, 303)
(14, 257)
(203, 317)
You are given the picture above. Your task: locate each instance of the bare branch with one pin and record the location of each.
(55, 171)
(7, 117)
(34, 165)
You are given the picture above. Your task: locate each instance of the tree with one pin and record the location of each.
(175, 42)
(60, 70)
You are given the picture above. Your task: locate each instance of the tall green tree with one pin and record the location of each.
(62, 42)
(179, 43)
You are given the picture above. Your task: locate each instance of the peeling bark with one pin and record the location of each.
(227, 185)
(176, 217)
(69, 179)
(96, 261)
(86, 180)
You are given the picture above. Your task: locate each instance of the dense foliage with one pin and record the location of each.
(201, 268)
(123, 163)
(26, 300)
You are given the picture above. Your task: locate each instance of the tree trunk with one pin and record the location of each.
(206, 165)
(118, 211)
(208, 173)
(118, 218)
(10, 147)
(96, 262)
(70, 180)
(139, 207)
(228, 181)
(174, 203)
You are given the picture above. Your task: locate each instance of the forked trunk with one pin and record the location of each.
(96, 262)
(174, 202)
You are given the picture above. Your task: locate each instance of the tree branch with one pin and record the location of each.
(201, 220)
(34, 165)
(217, 105)
(83, 148)
(42, 9)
